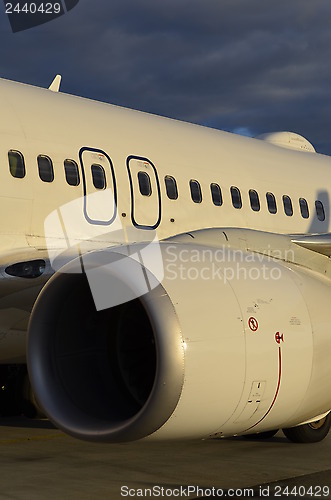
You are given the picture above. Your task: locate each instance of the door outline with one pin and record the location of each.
(142, 158)
(94, 221)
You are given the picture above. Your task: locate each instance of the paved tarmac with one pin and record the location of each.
(38, 461)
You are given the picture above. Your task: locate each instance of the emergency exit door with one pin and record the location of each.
(99, 185)
(145, 193)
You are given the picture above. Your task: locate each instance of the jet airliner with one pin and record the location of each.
(161, 279)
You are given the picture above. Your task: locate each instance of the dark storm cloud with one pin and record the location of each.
(250, 66)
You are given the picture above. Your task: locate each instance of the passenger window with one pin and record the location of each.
(320, 210)
(145, 186)
(98, 176)
(216, 194)
(288, 208)
(272, 205)
(71, 171)
(171, 187)
(255, 200)
(16, 164)
(236, 197)
(45, 166)
(196, 194)
(304, 208)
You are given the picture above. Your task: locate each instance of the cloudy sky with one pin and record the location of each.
(248, 66)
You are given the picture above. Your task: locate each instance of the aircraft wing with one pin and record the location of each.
(320, 243)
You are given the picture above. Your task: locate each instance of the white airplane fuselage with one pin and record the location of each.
(61, 127)
(39, 122)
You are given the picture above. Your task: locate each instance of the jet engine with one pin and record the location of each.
(226, 343)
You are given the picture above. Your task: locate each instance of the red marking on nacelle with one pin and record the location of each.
(253, 324)
(277, 390)
(279, 337)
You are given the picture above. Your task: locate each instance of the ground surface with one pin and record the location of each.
(40, 462)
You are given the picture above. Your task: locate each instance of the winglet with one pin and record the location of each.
(55, 85)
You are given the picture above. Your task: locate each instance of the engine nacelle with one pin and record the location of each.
(228, 343)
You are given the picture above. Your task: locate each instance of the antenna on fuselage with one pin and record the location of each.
(55, 85)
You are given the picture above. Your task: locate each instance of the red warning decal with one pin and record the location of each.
(253, 324)
(279, 337)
